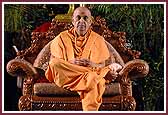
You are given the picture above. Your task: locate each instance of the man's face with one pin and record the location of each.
(81, 20)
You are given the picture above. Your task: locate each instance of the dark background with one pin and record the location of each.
(143, 24)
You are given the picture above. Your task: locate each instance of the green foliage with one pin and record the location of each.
(153, 84)
(144, 25)
(12, 14)
(18, 16)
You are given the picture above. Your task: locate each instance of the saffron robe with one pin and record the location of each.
(89, 82)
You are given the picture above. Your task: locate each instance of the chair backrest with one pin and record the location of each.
(43, 57)
(40, 39)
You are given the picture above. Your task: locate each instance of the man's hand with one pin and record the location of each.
(86, 63)
(81, 62)
(114, 69)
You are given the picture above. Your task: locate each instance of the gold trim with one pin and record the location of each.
(66, 17)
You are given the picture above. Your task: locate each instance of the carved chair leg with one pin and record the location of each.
(25, 103)
(128, 103)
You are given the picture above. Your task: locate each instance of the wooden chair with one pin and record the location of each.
(38, 94)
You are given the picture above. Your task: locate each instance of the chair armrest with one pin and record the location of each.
(21, 67)
(136, 68)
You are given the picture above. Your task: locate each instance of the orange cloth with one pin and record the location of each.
(87, 81)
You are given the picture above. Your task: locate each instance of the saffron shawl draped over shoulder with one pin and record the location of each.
(95, 48)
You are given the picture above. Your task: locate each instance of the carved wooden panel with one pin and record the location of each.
(28, 86)
(27, 103)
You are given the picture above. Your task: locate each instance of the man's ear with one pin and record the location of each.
(92, 19)
(72, 21)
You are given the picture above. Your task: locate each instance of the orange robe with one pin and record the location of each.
(89, 82)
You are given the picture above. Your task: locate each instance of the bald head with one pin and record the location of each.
(82, 10)
(81, 20)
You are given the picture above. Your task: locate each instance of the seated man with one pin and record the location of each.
(78, 59)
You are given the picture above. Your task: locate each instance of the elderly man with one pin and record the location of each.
(78, 61)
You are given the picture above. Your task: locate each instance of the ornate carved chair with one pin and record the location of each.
(38, 94)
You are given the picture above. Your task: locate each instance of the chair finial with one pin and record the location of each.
(66, 17)
(82, 5)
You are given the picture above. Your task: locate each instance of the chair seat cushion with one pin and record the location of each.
(50, 89)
